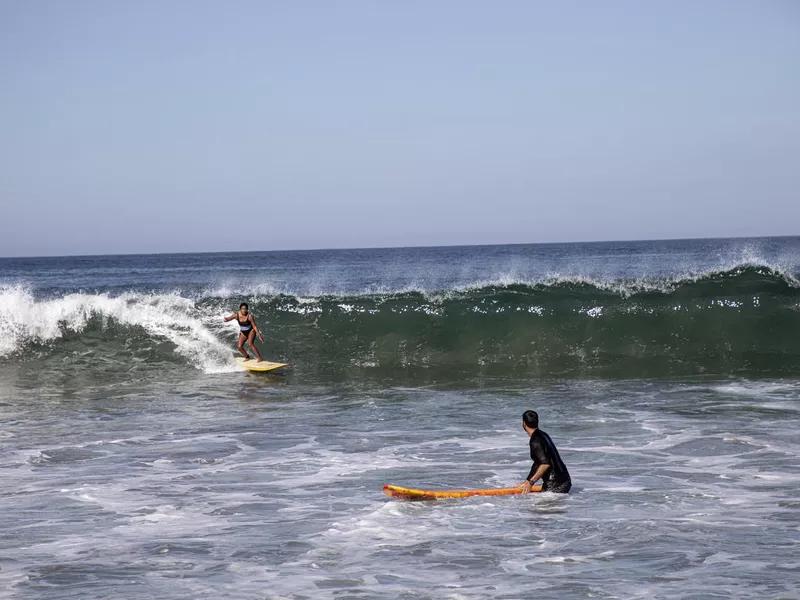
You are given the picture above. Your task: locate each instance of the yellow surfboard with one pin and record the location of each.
(395, 491)
(260, 367)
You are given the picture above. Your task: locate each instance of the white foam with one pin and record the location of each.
(575, 558)
(167, 316)
(10, 579)
(753, 389)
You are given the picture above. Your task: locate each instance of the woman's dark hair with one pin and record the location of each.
(531, 419)
(243, 305)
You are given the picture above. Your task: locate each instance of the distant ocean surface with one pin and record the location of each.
(138, 461)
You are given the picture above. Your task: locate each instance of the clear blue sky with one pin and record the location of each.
(192, 125)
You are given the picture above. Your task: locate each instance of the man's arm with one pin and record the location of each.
(536, 475)
(527, 485)
(540, 466)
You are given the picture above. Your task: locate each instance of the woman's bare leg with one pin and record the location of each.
(251, 342)
(242, 340)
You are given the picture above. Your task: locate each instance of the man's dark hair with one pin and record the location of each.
(531, 419)
(243, 305)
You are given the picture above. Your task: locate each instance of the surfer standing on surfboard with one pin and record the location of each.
(547, 463)
(247, 331)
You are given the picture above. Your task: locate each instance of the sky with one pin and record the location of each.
(194, 125)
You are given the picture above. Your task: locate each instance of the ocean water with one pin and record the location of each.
(137, 460)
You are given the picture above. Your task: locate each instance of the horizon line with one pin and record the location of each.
(421, 247)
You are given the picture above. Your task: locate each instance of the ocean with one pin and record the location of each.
(138, 461)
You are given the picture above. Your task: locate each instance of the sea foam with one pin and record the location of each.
(24, 319)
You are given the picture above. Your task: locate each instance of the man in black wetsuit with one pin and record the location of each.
(547, 464)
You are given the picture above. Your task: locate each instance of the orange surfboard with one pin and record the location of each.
(403, 493)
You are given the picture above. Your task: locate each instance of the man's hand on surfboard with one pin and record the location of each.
(526, 486)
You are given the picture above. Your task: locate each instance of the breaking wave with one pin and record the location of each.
(745, 320)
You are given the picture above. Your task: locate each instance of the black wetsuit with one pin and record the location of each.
(544, 452)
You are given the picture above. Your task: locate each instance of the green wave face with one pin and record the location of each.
(742, 321)
(745, 321)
